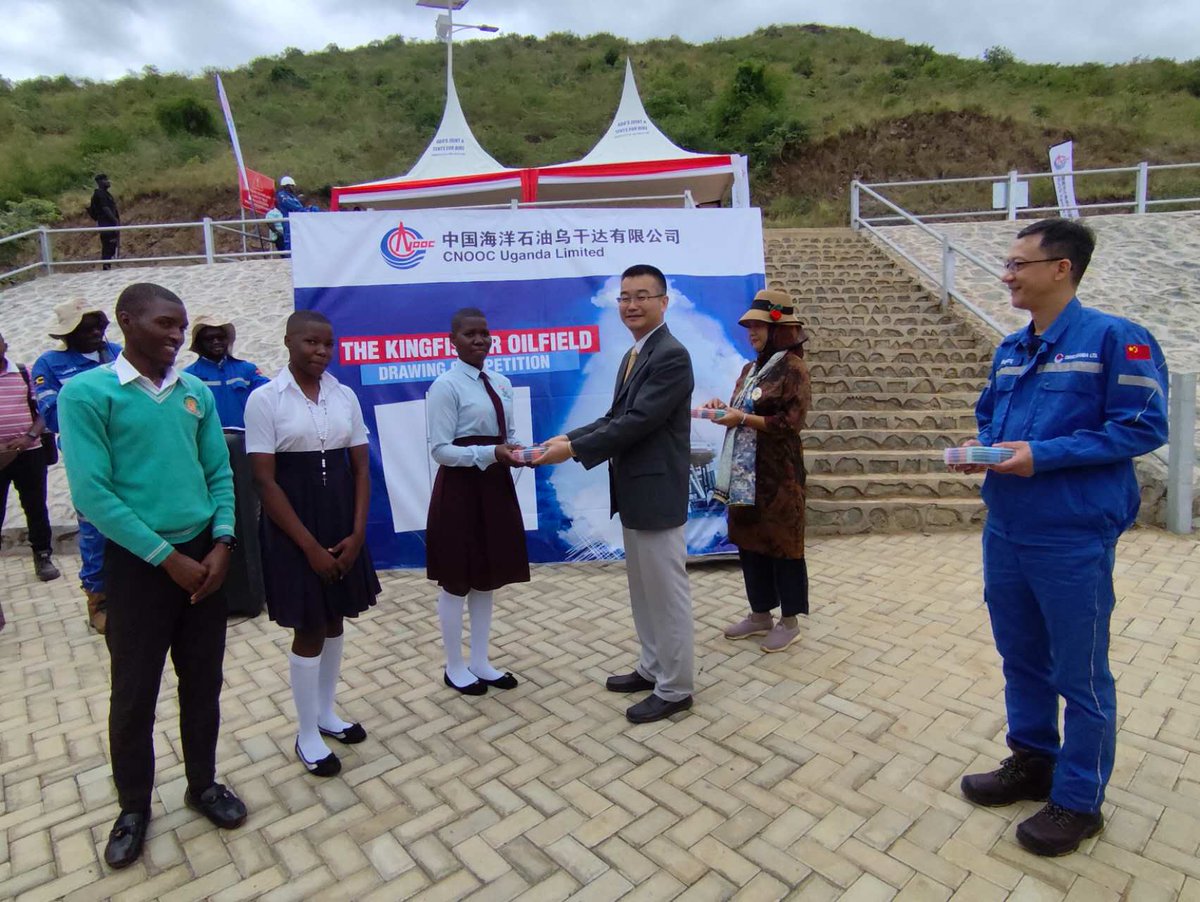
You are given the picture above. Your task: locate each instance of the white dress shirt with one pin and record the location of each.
(280, 418)
(458, 405)
(127, 372)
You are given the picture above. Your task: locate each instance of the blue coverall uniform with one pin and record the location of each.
(1089, 395)
(50, 372)
(287, 204)
(231, 382)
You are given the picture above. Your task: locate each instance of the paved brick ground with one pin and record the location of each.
(826, 772)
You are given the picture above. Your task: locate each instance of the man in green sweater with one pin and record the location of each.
(147, 464)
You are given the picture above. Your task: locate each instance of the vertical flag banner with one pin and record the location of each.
(243, 183)
(1062, 159)
(547, 280)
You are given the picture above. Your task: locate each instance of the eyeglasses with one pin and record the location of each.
(1018, 265)
(640, 298)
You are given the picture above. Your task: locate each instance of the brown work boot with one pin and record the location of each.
(750, 625)
(1023, 776)
(782, 635)
(1056, 830)
(97, 616)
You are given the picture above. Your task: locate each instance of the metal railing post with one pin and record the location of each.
(1143, 185)
(47, 255)
(1012, 195)
(947, 271)
(208, 239)
(1181, 452)
(855, 200)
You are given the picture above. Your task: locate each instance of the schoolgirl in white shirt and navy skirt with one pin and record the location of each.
(475, 537)
(308, 450)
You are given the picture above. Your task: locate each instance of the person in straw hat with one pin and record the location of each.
(80, 325)
(761, 474)
(230, 379)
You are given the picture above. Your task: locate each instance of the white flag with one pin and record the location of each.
(1062, 159)
(243, 182)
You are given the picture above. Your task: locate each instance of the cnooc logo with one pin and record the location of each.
(404, 248)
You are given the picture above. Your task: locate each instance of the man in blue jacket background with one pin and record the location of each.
(1077, 394)
(230, 379)
(80, 325)
(287, 202)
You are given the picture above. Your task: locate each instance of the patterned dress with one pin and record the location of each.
(774, 526)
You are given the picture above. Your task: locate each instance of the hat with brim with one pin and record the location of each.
(208, 321)
(775, 308)
(69, 314)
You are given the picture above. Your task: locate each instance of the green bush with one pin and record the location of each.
(21, 216)
(186, 116)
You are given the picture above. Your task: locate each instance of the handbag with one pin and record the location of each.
(49, 439)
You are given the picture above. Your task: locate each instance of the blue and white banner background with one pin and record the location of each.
(547, 281)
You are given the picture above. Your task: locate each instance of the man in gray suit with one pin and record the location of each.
(646, 438)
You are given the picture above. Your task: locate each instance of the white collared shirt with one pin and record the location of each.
(457, 406)
(280, 418)
(641, 342)
(126, 373)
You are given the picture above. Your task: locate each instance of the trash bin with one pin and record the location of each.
(244, 584)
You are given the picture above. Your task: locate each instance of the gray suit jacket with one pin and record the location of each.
(646, 436)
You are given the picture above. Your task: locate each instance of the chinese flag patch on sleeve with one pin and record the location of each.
(1137, 352)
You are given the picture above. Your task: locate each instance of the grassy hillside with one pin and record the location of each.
(812, 105)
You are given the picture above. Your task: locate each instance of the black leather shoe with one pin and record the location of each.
(1023, 776)
(628, 682)
(479, 687)
(653, 708)
(328, 766)
(1056, 830)
(508, 681)
(219, 805)
(352, 735)
(126, 839)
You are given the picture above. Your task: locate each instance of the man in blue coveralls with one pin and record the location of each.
(230, 379)
(1077, 394)
(80, 325)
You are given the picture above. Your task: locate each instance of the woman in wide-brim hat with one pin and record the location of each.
(761, 476)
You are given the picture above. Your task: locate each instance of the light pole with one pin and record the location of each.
(446, 27)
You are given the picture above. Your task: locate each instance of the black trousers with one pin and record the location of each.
(149, 615)
(110, 245)
(28, 473)
(775, 582)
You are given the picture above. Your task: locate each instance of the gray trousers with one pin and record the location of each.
(661, 600)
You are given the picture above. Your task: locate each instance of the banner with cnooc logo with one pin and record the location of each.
(547, 281)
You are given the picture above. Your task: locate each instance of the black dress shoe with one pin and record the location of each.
(628, 682)
(219, 805)
(327, 767)
(1056, 830)
(479, 687)
(653, 708)
(352, 735)
(126, 839)
(508, 681)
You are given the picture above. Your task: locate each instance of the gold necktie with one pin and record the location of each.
(629, 365)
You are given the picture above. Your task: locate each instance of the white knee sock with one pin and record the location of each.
(329, 671)
(480, 606)
(450, 613)
(305, 676)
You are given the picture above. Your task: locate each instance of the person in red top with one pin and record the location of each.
(23, 459)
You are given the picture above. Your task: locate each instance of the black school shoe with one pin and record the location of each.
(653, 708)
(329, 766)
(1019, 778)
(352, 735)
(1056, 830)
(628, 682)
(126, 839)
(507, 681)
(479, 687)
(219, 805)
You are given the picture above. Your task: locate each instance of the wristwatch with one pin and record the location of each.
(228, 541)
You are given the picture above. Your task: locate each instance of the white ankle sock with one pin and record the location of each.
(328, 673)
(450, 613)
(480, 606)
(305, 675)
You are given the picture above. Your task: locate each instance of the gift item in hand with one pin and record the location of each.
(709, 413)
(977, 454)
(530, 454)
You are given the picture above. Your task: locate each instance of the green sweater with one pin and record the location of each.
(149, 472)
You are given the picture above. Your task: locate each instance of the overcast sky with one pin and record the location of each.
(105, 39)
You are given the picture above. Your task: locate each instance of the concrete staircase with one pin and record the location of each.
(894, 382)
